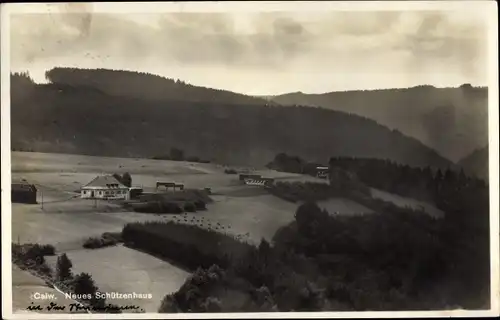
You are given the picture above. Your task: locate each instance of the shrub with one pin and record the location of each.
(44, 269)
(189, 207)
(117, 236)
(32, 256)
(47, 250)
(84, 285)
(95, 243)
(127, 179)
(200, 205)
(172, 207)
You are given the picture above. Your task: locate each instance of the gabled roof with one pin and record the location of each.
(20, 186)
(105, 182)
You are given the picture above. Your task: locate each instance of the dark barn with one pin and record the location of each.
(23, 193)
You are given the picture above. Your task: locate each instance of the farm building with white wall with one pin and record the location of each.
(105, 187)
(264, 182)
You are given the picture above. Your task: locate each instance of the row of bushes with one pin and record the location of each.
(177, 154)
(169, 206)
(301, 191)
(173, 202)
(187, 245)
(186, 195)
(32, 256)
(298, 191)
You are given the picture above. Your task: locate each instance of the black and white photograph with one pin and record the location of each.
(226, 159)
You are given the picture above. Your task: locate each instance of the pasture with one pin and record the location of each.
(408, 202)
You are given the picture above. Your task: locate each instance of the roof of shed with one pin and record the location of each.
(105, 182)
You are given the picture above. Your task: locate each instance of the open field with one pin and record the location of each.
(343, 206)
(407, 202)
(123, 270)
(66, 221)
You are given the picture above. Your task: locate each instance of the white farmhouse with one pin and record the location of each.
(105, 187)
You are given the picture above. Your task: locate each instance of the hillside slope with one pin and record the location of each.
(453, 121)
(86, 120)
(477, 163)
(142, 85)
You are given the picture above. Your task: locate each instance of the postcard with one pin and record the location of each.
(250, 159)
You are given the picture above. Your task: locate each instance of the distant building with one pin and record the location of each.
(135, 192)
(23, 192)
(322, 172)
(105, 187)
(168, 185)
(264, 182)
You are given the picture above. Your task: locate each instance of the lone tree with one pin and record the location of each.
(85, 285)
(63, 268)
(127, 179)
(309, 216)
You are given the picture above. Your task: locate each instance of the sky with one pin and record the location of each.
(260, 53)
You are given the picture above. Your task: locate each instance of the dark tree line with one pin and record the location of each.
(189, 246)
(458, 195)
(415, 182)
(32, 256)
(177, 154)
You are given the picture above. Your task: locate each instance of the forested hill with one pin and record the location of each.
(477, 163)
(145, 86)
(452, 121)
(85, 120)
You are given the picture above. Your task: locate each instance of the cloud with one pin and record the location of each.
(349, 42)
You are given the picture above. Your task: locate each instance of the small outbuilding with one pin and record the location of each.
(23, 192)
(264, 182)
(135, 192)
